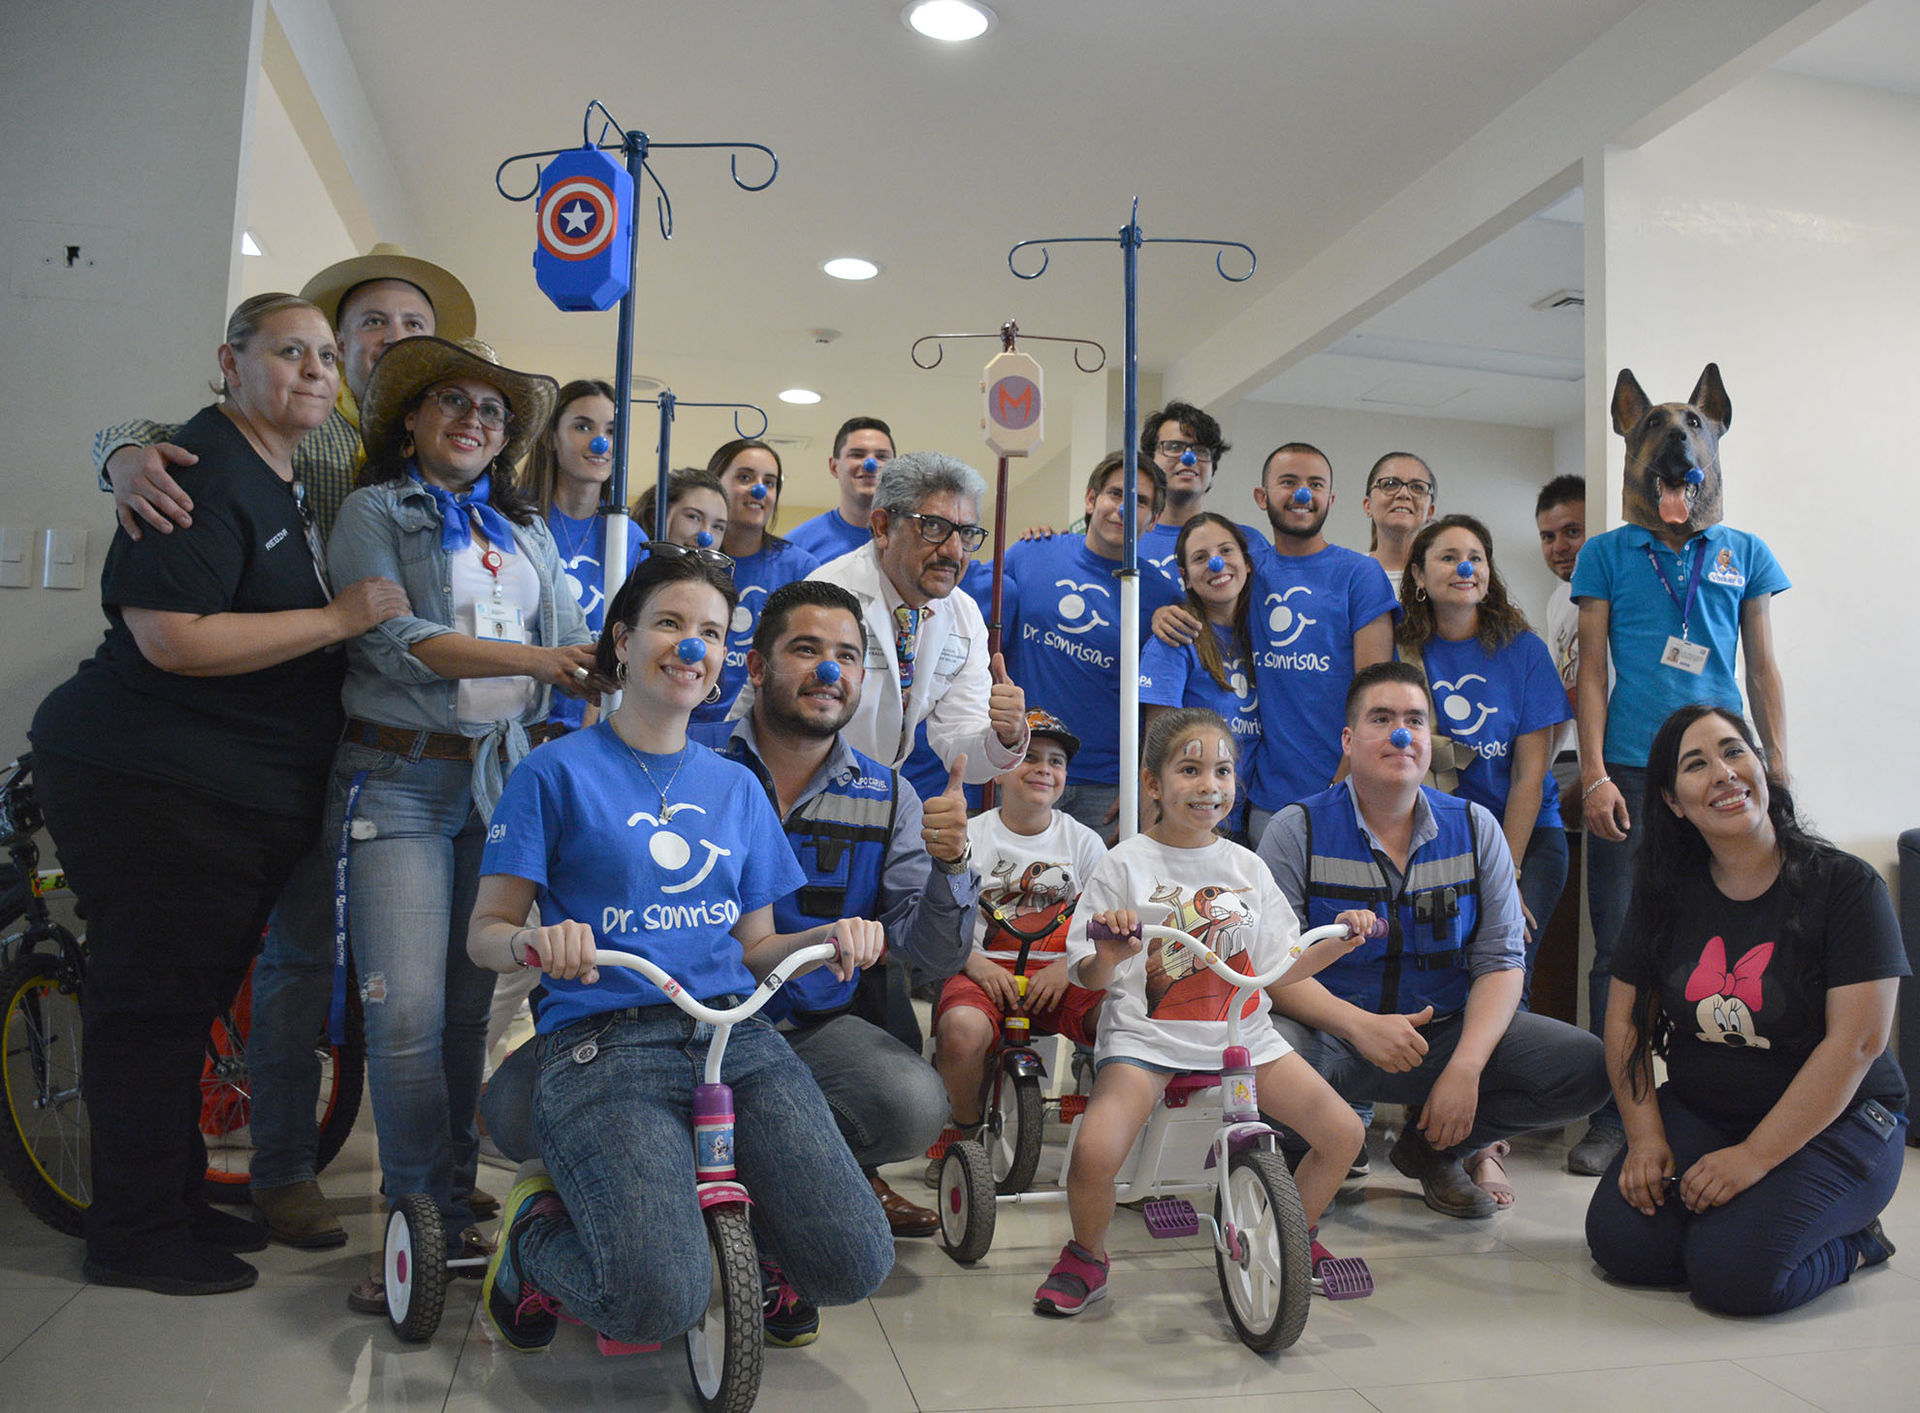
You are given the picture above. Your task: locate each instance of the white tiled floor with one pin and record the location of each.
(1479, 1317)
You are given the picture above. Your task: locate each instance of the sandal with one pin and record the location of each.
(1498, 1188)
(368, 1296)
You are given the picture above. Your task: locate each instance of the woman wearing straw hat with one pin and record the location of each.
(440, 704)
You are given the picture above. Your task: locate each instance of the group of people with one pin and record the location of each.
(361, 629)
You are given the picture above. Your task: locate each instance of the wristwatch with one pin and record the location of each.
(959, 865)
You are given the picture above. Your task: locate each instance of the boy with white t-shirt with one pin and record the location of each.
(1032, 861)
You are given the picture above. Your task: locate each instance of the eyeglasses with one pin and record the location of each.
(457, 404)
(711, 558)
(937, 530)
(1201, 454)
(1393, 485)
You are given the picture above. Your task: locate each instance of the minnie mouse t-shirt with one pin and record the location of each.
(1747, 992)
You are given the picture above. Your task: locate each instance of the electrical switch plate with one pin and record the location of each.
(66, 559)
(16, 557)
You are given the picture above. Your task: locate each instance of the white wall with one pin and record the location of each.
(1777, 232)
(1488, 471)
(161, 196)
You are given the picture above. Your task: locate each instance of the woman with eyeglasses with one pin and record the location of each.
(1400, 498)
(441, 704)
(567, 473)
(182, 770)
(750, 473)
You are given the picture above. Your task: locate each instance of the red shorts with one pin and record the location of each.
(1074, 1017)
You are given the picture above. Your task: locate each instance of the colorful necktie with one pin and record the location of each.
(906, 638)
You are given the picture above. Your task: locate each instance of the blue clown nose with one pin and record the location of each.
(1401, 737)
(692, 650)
(1303, 496)
(758, 490)
(704, 539)
(1187, 458)
(599, 446)
(828, 672)
(1464, 569)
(870, 465)
(1216, 564)
(1695, 475)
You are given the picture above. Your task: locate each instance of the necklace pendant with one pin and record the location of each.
(667, 812)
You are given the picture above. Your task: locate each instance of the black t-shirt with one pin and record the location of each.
(261, 739)
(1745, 984)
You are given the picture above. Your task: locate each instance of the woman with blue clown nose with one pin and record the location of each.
(1496, 698)
(697, 514)
(442, 703)
(566, 474)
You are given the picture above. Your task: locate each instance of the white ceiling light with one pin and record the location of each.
(802, 396)
(250, 244)
(851, 267)
(950, 20)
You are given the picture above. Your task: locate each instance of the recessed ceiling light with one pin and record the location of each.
(802, 396)
(250, 244)
(851, 267)
(951, 20)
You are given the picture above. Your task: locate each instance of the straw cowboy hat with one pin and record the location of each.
(453, 316)
(406, 370)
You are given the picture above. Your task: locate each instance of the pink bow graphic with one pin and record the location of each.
(1711, 977)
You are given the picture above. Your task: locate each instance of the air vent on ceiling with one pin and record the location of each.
(1570, 299)
(788, 443)
(646, 385)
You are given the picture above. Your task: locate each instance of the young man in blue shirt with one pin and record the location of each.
(1062, 644)
(1185, 443)
(861, 450)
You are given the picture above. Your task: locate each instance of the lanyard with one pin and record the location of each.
(492, 561)
(1693, 582)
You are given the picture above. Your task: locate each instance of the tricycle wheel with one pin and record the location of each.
(724, 1350)
(966, 1202)
(1268, 1285)
(415, 1267)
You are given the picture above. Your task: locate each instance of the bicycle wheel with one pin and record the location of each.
(1268, 1285)
(1014, 1130)
(226, 1094)
(45, 1150)
(724, 1351)
(965, 1200)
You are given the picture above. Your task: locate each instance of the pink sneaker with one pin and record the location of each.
(1077, 1279)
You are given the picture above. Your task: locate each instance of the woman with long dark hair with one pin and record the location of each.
(751, 474)
(1761, 964)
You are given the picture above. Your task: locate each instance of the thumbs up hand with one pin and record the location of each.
(1007, 707)
(943, 823)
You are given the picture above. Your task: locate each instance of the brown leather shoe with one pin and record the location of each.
(1444, 1183)
(905, 1218)
(484, 1205)
(299, 1216)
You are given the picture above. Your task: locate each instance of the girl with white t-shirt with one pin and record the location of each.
(1168, 1015)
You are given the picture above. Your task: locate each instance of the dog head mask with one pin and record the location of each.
(1667, 443)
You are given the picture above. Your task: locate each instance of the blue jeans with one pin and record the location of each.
(292, 987)
(1543, 875)
(411, 886)
(1609, 889)
(616, 1132)
(888, 1102)
(1778, 1244)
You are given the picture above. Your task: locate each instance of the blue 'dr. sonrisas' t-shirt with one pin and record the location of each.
(829, 535)
(1158, 544)
(776, 564)
(1176, 677)
(1063, 648)
(1488, 700)
(580, 820)
(1303, 614)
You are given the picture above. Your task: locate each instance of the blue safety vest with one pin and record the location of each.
(1429, 921)
(840, 839)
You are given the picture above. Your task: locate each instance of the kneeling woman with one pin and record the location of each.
(630, 836)
(1762, 964)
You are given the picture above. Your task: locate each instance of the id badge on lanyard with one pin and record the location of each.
(494, 619)
(1681, 653)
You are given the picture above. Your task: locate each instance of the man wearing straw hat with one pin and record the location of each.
(375, 300)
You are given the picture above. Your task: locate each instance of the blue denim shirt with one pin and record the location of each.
(393, 530)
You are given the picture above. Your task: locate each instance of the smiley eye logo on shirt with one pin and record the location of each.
(743, 612)
(587, 595)
(671, 851)
(1456, 706)
(1288, 621)
(1237, 684)
(1077, 615)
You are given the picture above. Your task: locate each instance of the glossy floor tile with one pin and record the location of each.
(1487, 1316)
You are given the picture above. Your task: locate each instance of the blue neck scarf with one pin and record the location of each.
(455, 531)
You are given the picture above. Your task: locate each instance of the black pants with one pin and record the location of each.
(177, 886)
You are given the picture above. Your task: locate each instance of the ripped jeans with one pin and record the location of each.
(414, 866)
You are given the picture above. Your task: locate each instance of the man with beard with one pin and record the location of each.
(926, 650)
(869, 850)
(1318, 613)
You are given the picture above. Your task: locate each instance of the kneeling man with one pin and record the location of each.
(1426, 1016)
